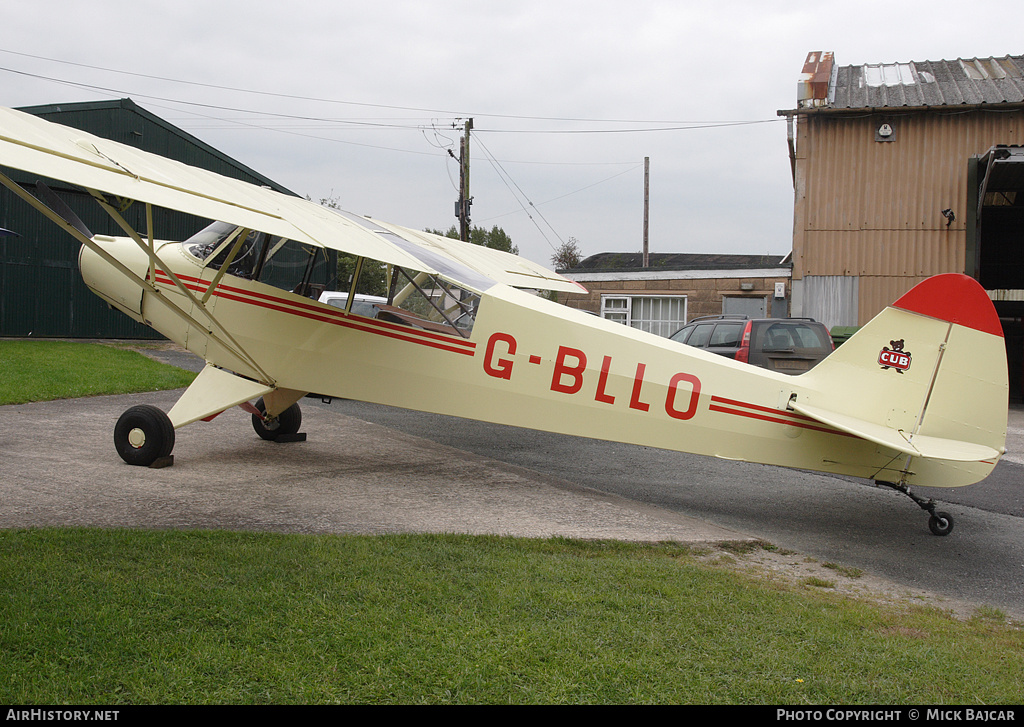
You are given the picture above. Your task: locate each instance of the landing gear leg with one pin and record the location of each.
(940, 523)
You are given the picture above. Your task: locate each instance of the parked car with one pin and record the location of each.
(362, 304)
(786, 345)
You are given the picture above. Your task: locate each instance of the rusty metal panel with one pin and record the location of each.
(816, 79)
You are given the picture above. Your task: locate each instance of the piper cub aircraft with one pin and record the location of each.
(916, 397)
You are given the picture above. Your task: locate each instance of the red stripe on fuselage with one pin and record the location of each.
(767, 414)
(326, 314)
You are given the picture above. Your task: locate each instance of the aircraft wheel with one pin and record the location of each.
(286, 423)
(940, 523)
(143, 434)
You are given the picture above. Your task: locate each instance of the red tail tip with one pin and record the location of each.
(955, 298)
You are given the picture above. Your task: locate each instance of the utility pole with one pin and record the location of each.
(462, 206)
(647, 204)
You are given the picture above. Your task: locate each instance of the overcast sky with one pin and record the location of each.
(362, 101)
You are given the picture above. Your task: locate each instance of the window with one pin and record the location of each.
(418, 299)
(660, 315)
(300, 268)
(700, 335)
(615, 309)
(727, 334)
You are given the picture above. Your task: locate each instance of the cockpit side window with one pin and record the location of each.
(429, 301)
(286, 264)
(414, 298)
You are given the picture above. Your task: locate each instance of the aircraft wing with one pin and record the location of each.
(500, 266)
(59, 152)
(917, 445)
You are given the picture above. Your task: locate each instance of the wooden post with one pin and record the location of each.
(647, 204)
(464, 199)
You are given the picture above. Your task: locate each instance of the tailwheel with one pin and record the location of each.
(939, 522)
(282, 428)
(144, 436)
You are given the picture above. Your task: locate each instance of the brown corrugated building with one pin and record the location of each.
(902, 171)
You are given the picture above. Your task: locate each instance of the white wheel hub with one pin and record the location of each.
(136, 438)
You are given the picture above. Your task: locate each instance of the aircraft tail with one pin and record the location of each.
(926, 378)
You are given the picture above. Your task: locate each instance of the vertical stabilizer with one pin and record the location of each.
(925, 379)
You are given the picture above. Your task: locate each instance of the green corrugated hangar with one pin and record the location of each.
(41, 291)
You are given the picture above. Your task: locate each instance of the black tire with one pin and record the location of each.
(286, 423)
(940, 523)
(143, 434)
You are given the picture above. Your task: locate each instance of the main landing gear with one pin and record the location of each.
(940, 523)
(282, 428)
(144, 435)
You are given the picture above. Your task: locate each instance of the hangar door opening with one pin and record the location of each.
(995, 245)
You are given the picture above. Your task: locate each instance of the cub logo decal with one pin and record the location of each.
(895, 357)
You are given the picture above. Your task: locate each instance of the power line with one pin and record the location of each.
(509, 182)
(633, 168)
(239, 123)
(666, 125)
(683, 127)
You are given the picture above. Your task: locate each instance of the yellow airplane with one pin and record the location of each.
(916, 397)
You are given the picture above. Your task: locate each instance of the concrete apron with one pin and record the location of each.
(59, 468)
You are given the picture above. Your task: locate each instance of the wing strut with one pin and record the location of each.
(224, 339)
(230, 343)
(213, 391)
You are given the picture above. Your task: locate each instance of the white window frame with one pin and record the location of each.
(620, 308)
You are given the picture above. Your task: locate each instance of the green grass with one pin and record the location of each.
(111, 616)
(46, 370)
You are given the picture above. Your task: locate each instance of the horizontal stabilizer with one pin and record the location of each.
(917, 445)
(213, 391)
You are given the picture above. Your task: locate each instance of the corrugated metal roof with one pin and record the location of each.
(918, 84)
(926, 84)
(609, 261)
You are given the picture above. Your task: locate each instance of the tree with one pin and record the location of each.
(567, 255)
(495, 238)
(372, 275)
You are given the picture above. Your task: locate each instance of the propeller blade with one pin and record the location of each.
(55, 203)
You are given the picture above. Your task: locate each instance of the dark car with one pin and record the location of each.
(786, 345)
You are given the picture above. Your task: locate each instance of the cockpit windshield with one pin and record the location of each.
(209, 238)
(215, 243)
(300, 268)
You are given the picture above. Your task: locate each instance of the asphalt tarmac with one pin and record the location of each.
(59, 468)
